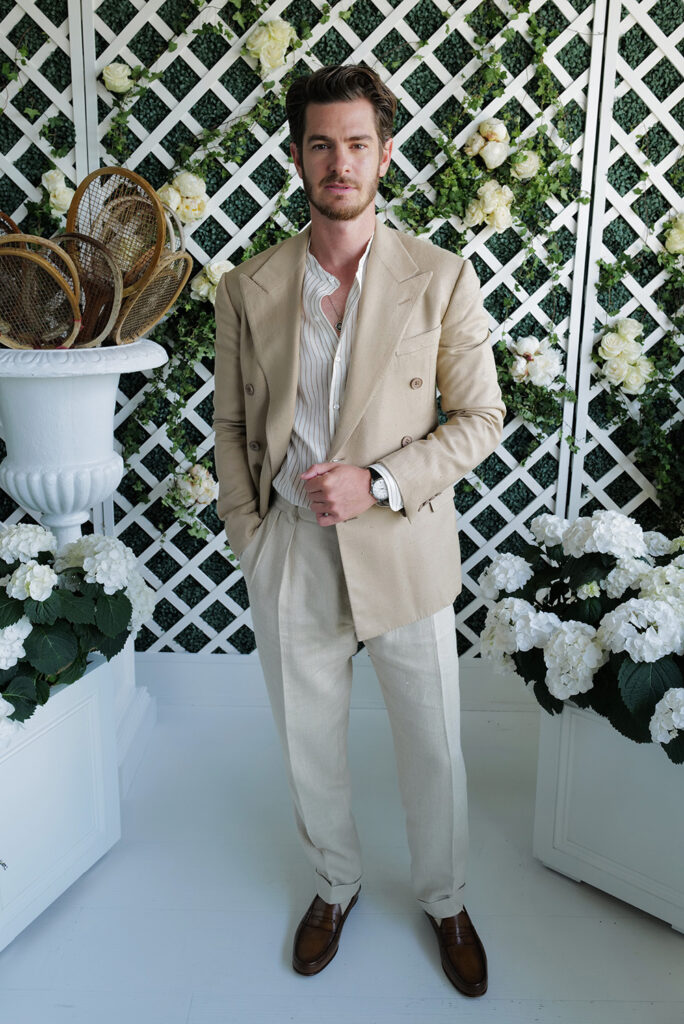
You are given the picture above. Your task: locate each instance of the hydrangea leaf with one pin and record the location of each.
(552, 704)
(21, 692)
(113, 613)
(642, 684)
(46, 612)
(11, 610)
(75, 608)
(112, 645)
(675, 749)
(51, 648)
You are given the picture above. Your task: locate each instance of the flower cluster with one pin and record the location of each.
(490, 141)
(60, 193)
(534, 361)
(674, 237)
(186, 195)
(56, 607)
(590, 608)
(492, 206)
(196, 488)
(269, 42)
(624, 363)
(117, 77)
(203, 286)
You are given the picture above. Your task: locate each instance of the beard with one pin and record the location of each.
(329, 208)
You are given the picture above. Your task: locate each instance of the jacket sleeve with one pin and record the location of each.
(471, 402)
(238, 499)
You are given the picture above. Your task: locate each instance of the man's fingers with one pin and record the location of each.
(317, 470)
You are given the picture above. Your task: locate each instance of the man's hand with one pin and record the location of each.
(337, 493)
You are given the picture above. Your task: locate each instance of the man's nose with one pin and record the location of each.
(338, 159)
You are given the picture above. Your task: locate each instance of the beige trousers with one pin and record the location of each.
(305, 640)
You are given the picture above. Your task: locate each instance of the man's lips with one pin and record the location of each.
(338, 186)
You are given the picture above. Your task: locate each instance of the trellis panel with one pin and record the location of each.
(637, 188)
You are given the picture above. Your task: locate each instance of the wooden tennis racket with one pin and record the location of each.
(7, 225)
(122, 211)
(38, 309)
(101, 286)
(51, 253)
(146, 307)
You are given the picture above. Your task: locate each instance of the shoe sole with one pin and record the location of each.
(316, 966)
(472, 990)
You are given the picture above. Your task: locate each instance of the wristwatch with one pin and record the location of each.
(378, 488)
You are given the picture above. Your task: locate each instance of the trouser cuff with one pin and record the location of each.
(336, 893)
(448, 907)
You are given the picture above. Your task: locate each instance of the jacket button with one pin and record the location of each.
(249, 388)
(254, 446)
(406, 440)
(417, 382)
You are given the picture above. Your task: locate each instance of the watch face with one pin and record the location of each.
(379, 489)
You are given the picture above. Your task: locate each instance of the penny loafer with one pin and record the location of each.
(318, 935)
(463, 956)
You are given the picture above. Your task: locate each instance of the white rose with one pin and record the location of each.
(215, 271)
(545, 367)
(60, 199)
(200, 287)
(674, 238)
(32, 580)
(528, 346)
(519, 369)
(548, 529)
(192, 208)
(473, 144)
(632, 350)
(493, 130)
(611, 345)
(268, 43)
(615, 370)
(474, 214)
(53, 180)
(526, 164)
(197, 487)
(634, 381)
(628, 328)
(492, 195)
(494, 154)
(500, 219)
(189, 185)
(117, 77)
(169, 195)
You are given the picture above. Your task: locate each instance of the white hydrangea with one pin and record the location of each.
(609, 532)
(548, 529)
(24, 542)
(646, 629)
(506, 572)
(663, 583)
(143, 600)
(657, 543)
(626, 575)
(499, 631)
(668, 716)
(106, 560)
(12, 642)
(32, 580)
(588, 590)
(572, 655)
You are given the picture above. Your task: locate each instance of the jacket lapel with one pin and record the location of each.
(393, 283)
(272, 301)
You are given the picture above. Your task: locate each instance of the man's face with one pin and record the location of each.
(341, 160)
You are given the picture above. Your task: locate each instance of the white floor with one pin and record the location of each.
(189, 919)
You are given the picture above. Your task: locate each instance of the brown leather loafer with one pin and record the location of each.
(318, 935)
(463, 956)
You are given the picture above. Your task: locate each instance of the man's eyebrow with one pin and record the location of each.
(327, 138)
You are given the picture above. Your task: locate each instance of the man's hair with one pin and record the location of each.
(342, 82)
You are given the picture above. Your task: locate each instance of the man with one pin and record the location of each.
(336, 488)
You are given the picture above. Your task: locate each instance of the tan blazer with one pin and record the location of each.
(421, 325)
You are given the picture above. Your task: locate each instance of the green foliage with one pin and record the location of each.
(541, 408)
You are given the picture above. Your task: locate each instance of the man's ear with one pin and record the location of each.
(386, 157)
(294, 153)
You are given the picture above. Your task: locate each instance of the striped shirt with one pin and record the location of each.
(323, 364)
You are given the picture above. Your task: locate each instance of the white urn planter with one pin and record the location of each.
(59, 796)
(609, 812)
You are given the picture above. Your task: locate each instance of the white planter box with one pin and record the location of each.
(609, 812)
(59, 797)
